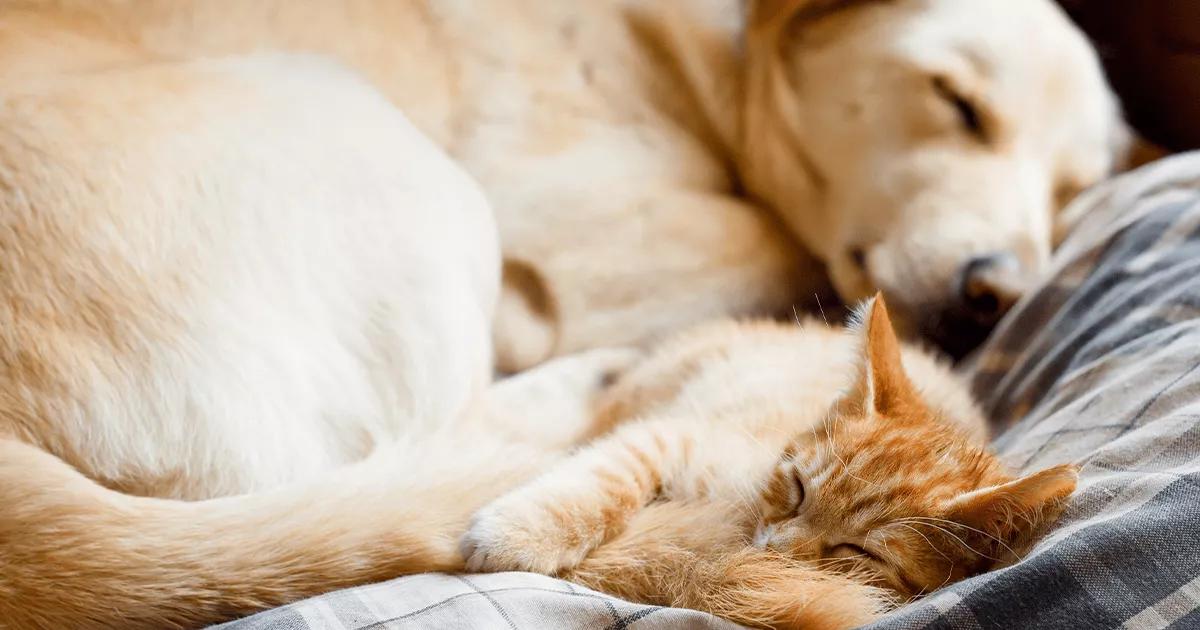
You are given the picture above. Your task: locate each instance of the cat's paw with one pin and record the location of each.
(515, 535)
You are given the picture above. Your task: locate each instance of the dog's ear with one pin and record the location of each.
(1141, 152)
(775, 14)
(1132, 151)
(765, 13)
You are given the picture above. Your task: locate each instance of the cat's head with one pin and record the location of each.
(886, 489)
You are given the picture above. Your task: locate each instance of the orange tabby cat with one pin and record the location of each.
(890, 494)
(883, 493)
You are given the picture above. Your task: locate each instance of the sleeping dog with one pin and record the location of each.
(652, 164)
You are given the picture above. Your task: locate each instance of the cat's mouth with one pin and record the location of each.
(764, 535)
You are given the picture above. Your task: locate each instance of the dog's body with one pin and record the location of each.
(226, 266)
(611, 183)
(619, 141)
(200, 301)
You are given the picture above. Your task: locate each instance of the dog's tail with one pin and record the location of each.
(74, 554)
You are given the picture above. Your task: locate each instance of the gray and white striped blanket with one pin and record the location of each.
(1100, 366)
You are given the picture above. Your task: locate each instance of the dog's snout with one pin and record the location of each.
(990, 285)
(987, 287)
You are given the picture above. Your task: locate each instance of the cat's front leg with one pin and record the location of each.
(553, 522)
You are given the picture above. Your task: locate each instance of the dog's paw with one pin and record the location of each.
(516, 535)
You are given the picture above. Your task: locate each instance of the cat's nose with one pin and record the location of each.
(763, 535)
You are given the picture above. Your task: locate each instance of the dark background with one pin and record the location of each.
(1152, 51)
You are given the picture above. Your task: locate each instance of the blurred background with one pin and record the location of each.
(1152, 52)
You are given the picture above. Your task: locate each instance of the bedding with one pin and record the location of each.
(1100, 366)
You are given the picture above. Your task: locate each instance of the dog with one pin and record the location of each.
(653, 164)
(246, 244)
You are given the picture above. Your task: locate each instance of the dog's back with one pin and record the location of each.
(219, 276)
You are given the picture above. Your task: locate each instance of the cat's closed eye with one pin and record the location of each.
(848, 550)
(799, 491)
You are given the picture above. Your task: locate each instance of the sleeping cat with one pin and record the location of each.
(751, 489)
(772, 475)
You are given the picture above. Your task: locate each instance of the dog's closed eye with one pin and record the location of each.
(969, 113)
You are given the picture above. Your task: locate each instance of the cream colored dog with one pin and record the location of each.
(921, 147)
(225, 266)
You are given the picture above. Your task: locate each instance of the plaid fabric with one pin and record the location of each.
(513, 601)
(1101, 366)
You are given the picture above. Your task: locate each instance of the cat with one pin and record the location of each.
(721, 473)
(754, 478)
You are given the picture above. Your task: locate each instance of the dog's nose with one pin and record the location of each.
(989, 286)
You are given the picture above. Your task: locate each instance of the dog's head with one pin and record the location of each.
(924, 147)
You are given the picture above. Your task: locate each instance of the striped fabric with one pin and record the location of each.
(1101, 366)
(505, 601)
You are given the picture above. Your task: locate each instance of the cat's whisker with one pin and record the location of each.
(756, 440)
(887, 554)
(838, 456)
(927, 541)
(957, 538)
(748, 497)
(949, 576)
(968, 528)
(831, 447)
(821, 308)
(960, 541)
(887, 513)
(846, 470)
(925, 589)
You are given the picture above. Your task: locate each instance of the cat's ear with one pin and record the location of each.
(1014, 512)
(881, 385)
